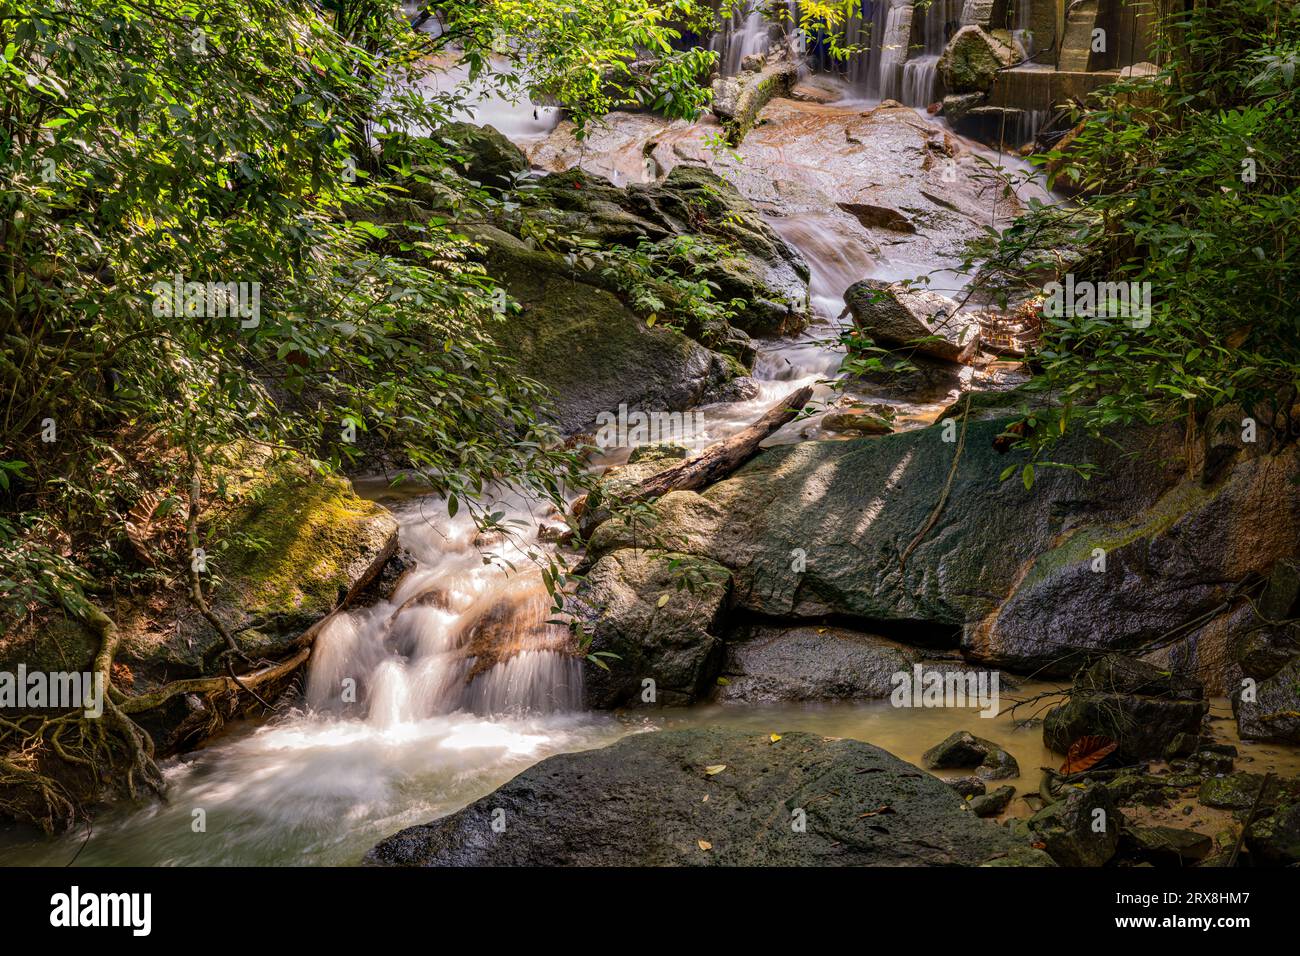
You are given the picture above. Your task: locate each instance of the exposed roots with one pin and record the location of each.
(53, 765)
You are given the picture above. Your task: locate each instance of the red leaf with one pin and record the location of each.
(1086, 752)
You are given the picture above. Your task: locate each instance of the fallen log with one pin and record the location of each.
(722, 458)
(715, 463)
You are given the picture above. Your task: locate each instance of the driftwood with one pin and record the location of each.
(715, 463)
(724, 457)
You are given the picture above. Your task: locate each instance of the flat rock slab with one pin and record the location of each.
(651, 800)
(812, 663)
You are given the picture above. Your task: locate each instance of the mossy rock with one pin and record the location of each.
(593, 353)
(282, 555)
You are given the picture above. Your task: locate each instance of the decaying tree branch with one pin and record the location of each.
(722, 458)
(716, 462)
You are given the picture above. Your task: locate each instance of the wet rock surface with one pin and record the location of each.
(769, 663)
(1131, 702)
(737, 100)
(883, 180)
(964, 750)
(641, 802)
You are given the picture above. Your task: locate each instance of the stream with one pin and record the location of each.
(323, 782)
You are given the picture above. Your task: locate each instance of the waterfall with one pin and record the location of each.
(918, 80)
(747, 31)
(458, 635)
(920, 73)
(1022, 26)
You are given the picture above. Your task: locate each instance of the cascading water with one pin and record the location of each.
(746, 32)
(1022, 27)
(458, 635)
(920, 72)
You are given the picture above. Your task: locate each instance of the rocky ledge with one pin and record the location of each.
(711, 797)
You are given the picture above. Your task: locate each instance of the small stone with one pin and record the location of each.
(964, 749)
(968, 786)
(990, 805)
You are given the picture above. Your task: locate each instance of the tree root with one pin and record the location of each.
(51, 766)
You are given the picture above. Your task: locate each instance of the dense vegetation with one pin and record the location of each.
(242, 141)
(1190, 182)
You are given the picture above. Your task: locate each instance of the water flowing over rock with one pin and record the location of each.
(821, 165)
(640, 803)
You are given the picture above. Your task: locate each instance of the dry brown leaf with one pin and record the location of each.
(1086, 752)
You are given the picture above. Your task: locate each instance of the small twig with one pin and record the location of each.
(1259, 798)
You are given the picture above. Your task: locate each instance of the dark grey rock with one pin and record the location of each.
(1082, 829)
(768, 663)
(1168, 845)
(991, 804)
(963, 749)
(641, 802)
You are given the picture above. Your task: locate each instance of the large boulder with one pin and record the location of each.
(971, 60)
(766, 663)
(1043, 578)
(656, 639)
(711, 797)
(896, 315)
(1140, 707)
(1082, 829)
(581, 340)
